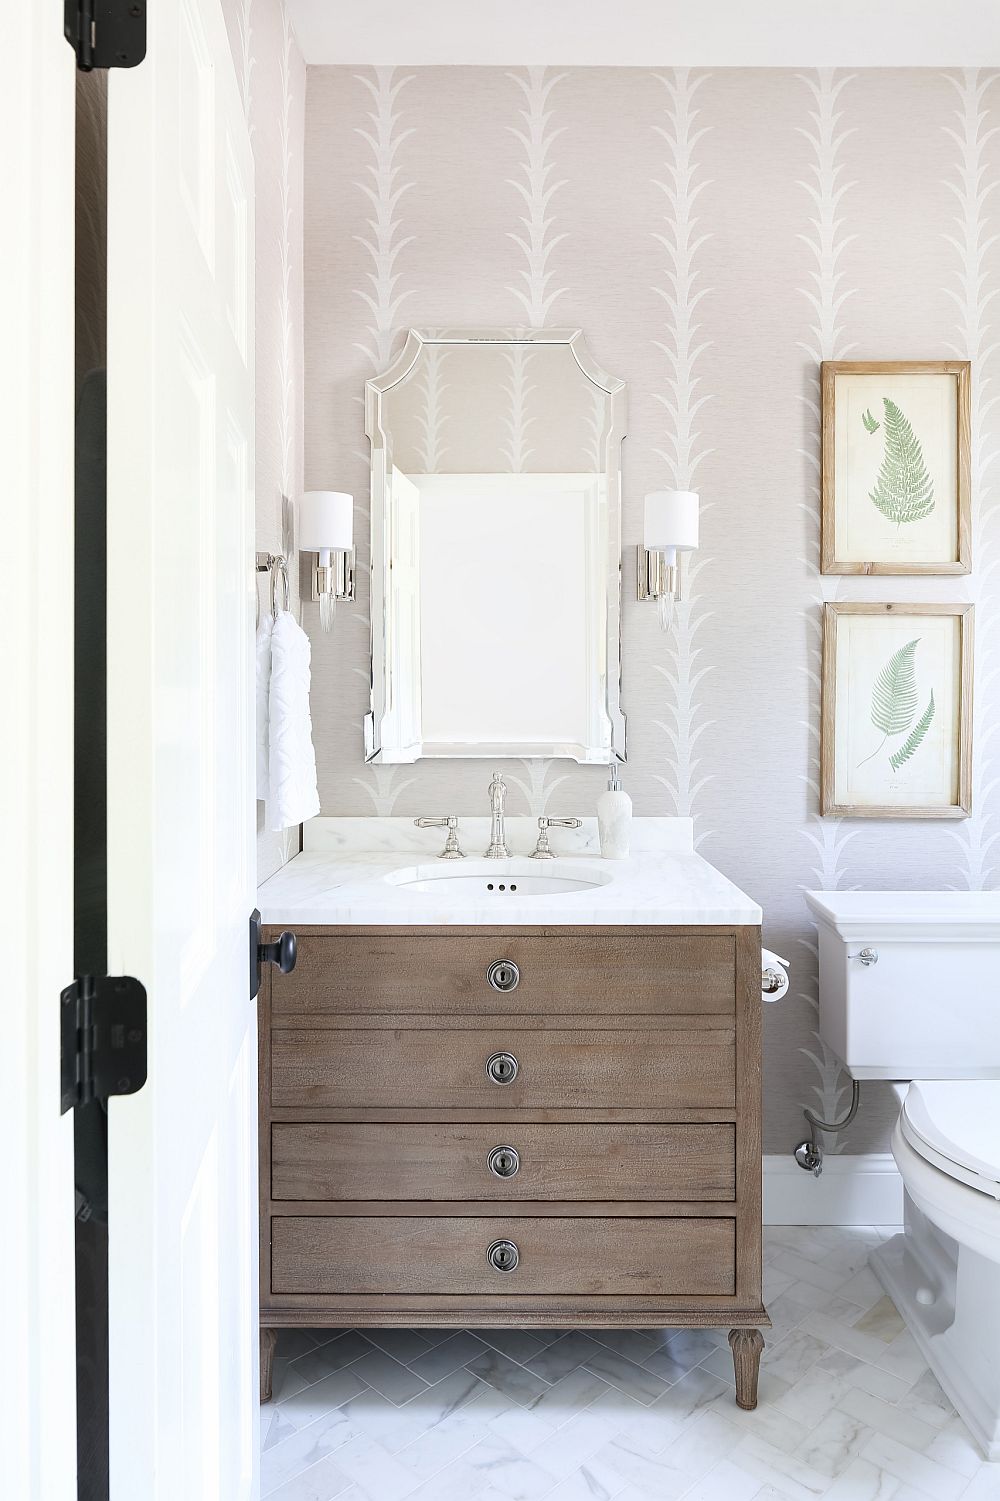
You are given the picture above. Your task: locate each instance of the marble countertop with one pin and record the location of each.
(344, 875)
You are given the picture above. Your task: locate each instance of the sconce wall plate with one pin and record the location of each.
(655, 576)
(338, 579)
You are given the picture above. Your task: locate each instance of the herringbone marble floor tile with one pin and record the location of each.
(848, 1410)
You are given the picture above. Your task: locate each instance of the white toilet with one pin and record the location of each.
(909, 990)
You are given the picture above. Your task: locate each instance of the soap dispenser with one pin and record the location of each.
(614, 818)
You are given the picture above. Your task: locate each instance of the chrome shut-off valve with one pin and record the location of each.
(810, 1156)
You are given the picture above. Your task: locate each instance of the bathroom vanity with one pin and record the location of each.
(496, 1090)
(487, 1104)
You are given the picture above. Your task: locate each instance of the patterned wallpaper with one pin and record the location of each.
(716, 234)
(497, 408)
(272, 80)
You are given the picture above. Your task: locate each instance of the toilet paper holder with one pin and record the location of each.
(773, 975)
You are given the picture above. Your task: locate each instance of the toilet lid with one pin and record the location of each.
(956, 1126)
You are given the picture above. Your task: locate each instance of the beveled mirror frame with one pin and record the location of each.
(381, 466)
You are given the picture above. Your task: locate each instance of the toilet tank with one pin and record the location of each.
(927, 1006)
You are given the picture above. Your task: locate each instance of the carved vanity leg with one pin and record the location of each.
(268, 1340)
(746, 1345)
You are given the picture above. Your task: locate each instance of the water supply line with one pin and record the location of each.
(809, 1153)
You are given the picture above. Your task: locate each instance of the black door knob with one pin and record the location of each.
(282, 953)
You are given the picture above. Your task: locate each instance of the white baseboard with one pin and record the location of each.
(860, 1190)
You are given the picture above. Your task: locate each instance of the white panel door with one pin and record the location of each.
(182, 1152)
(37, 1373)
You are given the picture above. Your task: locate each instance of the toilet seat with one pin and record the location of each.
(955, 1126)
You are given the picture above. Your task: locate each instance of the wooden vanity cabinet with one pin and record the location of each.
(513, 1126)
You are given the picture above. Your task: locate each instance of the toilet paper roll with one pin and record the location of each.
(774, 975)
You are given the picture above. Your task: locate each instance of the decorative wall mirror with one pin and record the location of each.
(496, 549)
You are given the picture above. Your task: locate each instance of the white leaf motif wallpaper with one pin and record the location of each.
(716, 234)
(826, 289)
(680, 443)
(972, 284)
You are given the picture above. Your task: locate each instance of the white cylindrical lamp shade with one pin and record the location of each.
(670, 521)
(326, 523)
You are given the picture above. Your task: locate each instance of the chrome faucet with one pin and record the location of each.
(498, 841)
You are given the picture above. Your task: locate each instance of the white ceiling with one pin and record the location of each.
(643, 33)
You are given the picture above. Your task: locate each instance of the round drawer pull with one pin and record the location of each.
(503, 975)
(503, 1162)
(503, 1256)
(502, 1068)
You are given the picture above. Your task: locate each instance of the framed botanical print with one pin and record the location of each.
(897, 710)
(896, 467)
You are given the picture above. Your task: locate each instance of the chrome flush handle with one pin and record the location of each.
(867, 956)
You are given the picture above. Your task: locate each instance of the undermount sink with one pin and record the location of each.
(498, 878)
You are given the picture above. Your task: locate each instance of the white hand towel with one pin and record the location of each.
(262, 657)
(292, 795)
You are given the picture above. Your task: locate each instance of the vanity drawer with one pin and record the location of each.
(450, 1256)
(356, 1160)
(669, 1068)
(652, 974)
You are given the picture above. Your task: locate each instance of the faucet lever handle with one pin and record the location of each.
(542, 850)
(451, 850)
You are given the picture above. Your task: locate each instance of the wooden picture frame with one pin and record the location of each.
(877, 682)
(901, 503)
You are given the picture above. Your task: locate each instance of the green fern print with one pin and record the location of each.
(894, 705)
(871, 425)
(914, 739)
(903, 489)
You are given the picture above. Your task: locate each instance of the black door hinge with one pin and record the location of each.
(106, 33)
(103, 1039)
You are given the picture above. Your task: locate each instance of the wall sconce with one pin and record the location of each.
(670, 526)
(326, 527)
